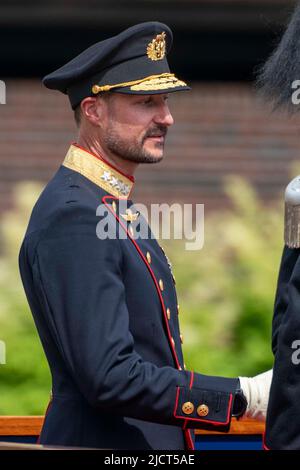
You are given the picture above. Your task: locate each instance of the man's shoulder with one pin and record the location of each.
(67, 197)
(68, 186)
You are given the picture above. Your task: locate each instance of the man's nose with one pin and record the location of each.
(164, 116)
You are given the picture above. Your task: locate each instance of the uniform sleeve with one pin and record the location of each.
(282, 427)
(282, 298)
(79, 281)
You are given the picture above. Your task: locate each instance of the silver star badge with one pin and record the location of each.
(106, 176)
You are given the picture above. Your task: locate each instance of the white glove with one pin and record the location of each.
(256, 390)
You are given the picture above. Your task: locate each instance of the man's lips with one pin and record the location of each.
(157, 137)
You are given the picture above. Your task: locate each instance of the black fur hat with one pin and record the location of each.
(278, 77)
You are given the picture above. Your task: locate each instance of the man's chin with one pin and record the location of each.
(153, 160)
(152, 157)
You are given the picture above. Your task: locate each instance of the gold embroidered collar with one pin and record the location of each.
(98, 171)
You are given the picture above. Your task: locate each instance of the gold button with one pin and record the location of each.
(188, 408)
(203, 410)
(95, 89)
(184, 366)
(168, 313)
(114, 206)
(131, 231)
(178, 309)
(161, 284)
(181, 339)
(148, 256)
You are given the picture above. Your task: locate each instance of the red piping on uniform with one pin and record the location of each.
(191, 385)
(187, 435)
(186, 432)
(152, 275)
(130, 177)
(192, 380)
(265, 447)
(190, 442)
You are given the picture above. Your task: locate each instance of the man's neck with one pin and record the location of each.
(94, 147)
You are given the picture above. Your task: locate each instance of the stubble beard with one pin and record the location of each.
(134, 151)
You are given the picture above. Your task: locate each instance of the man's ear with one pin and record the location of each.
(92, 109)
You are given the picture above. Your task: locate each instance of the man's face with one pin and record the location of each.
(135, 126)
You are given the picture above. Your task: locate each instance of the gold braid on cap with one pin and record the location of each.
(164, 79)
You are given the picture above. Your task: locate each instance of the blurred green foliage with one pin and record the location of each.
(24, 379)
(226, 290)
(226, 294)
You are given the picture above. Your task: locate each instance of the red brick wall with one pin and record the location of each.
(220, 129)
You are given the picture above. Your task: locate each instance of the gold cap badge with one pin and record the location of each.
(156, 49)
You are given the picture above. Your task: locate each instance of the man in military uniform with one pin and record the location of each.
(105, 307)
(278, 78)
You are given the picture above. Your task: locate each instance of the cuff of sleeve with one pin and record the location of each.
(206, 409)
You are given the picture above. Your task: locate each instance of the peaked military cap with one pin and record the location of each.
(132, 62)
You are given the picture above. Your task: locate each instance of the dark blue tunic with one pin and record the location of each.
(283, 417)
(107, 314)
